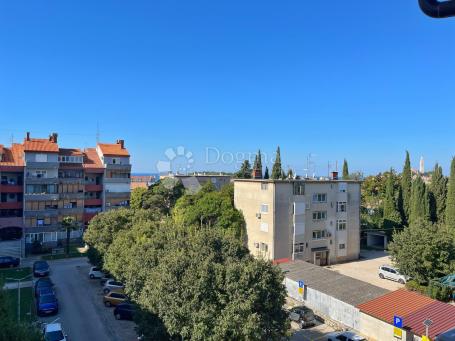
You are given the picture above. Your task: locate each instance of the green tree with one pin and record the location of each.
(392, 217)
(406, 187)
(438, 190)
(424, 251)
(290, 174)
(277, 171)
(450, 203)
(345, 170)
(245, 171)
(162, 195)
(266, 173)
(420, 203)
(137, 197)
(69, 224)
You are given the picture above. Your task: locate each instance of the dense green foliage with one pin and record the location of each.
(162, 195)
(450, 202)
(277, 170)
(420, 204)
(137, 195)
(245, 171)
(406, 184)
(258, 163)
(391, 215)
(266, 173)
(345, 170)
(438, 194)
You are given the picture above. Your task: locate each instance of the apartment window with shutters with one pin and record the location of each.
(342, 246)
(341, 206)
(319, 215)
(341, 225)
(264, 247)
(41, 157)
(299, 188)
(264, 208)
(320, 197)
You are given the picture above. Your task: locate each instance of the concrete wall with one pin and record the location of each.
(377, 330)
(31, 157)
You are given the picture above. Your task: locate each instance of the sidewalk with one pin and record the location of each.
(14, 285)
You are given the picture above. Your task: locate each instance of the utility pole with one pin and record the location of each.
(18, 281)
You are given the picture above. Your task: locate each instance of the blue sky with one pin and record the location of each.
(362, 80)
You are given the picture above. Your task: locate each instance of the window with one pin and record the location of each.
(342, 246)
(264, 186)
(341, 206)
(41, 157)
(264, 208)
(318, 234)
(341, 225)
(299, 247)
(39, 222)
(299, 188)
(41, 174)
(264, 227)
(319, 215)
(319, 197)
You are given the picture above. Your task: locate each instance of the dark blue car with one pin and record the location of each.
(47, 305)
(41, 268)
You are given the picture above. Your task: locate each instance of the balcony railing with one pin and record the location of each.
(93, 188)
(93, 202)
(11, 188)
(12, 205)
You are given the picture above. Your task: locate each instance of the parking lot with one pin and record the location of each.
(316, 333)
(81, 309)
(366, 269)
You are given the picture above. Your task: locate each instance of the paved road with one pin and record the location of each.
(82, 312)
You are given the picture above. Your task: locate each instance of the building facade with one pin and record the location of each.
(42, 183)
(313, 220)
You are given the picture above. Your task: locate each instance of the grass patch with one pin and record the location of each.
(26, 303)
(76, 250)
(63, 256)
(16, 273)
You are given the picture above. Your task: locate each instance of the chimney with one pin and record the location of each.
(121, 143)
(334, 175)
(54, 137)
(27, 136)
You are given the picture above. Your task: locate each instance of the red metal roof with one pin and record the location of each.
(442, 315)
(13, 156)
(401, 303)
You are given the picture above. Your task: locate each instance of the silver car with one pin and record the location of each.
(386, 271)
(113, 285)
(344, 336)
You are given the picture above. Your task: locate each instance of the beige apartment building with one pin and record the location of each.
(313, 220)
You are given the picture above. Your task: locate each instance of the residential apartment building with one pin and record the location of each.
(313, 220)
(42, 183)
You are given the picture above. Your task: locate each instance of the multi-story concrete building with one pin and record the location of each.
(42, 183)
(314, 220)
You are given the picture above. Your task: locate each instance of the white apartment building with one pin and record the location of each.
(313, 220)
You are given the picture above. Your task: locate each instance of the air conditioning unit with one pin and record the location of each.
(258, 215)
(256, 245)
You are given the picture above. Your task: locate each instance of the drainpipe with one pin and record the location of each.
(438, 9)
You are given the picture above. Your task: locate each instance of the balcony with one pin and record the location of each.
(42, 196)
(13, 205)
(50, 212)
(71, 180)
(111, 166)
(117, 180)
(93, 202)
(41, 165)
(93, 188)
(11, 188)
(34, 180)
(74, 210)
(75, 195)
(118, 195)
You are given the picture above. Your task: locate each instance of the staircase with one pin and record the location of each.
(11, 248)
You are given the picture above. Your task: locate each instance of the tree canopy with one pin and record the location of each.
(245, 171)
(345, 170)
(277, 170)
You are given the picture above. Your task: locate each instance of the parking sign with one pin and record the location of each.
(398, 321)
(301, 284)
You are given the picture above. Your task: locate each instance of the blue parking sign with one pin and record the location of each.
(398, 321)
(301, 284)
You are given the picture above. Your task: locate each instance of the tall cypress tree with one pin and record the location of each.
(266, 173)
(257, 166)
(406, 184)
(392, 216)
(345, 170)
(450, 202)
(245, 171)
(277, 171)
(438, 194)
(420, 204)
(290, 174)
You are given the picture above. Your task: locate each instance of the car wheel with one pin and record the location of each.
(381, 276)
(107, 304)
(401, 281)
(91, 276)
(118, 316)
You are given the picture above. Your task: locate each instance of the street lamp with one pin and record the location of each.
(18, 280)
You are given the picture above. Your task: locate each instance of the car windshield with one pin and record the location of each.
(47, 299)
(54, 336)
(44, 284)
(41, 265)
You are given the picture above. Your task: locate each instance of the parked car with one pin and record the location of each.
(114, 298)
(113, 285)
(105, 278)
(344, 336)
(95, 273)
(45, 291)
(42, 283)
(41, 268)
(10, 233)
(46, 305)
(386, 271)
(302, 315)
(9, 262)
(54, 332)
(125, 311)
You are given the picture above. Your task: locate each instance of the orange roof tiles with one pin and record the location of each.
(40, 145)
(91, 159)
(13, 156)
(70, 152)
(113, 149)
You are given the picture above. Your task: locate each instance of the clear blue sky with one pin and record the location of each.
(362, 80)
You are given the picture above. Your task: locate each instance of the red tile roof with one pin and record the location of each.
(401, 303)
(113, 149)
(70, 152)
(91, 159)
(13, 156)
(40, 145)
